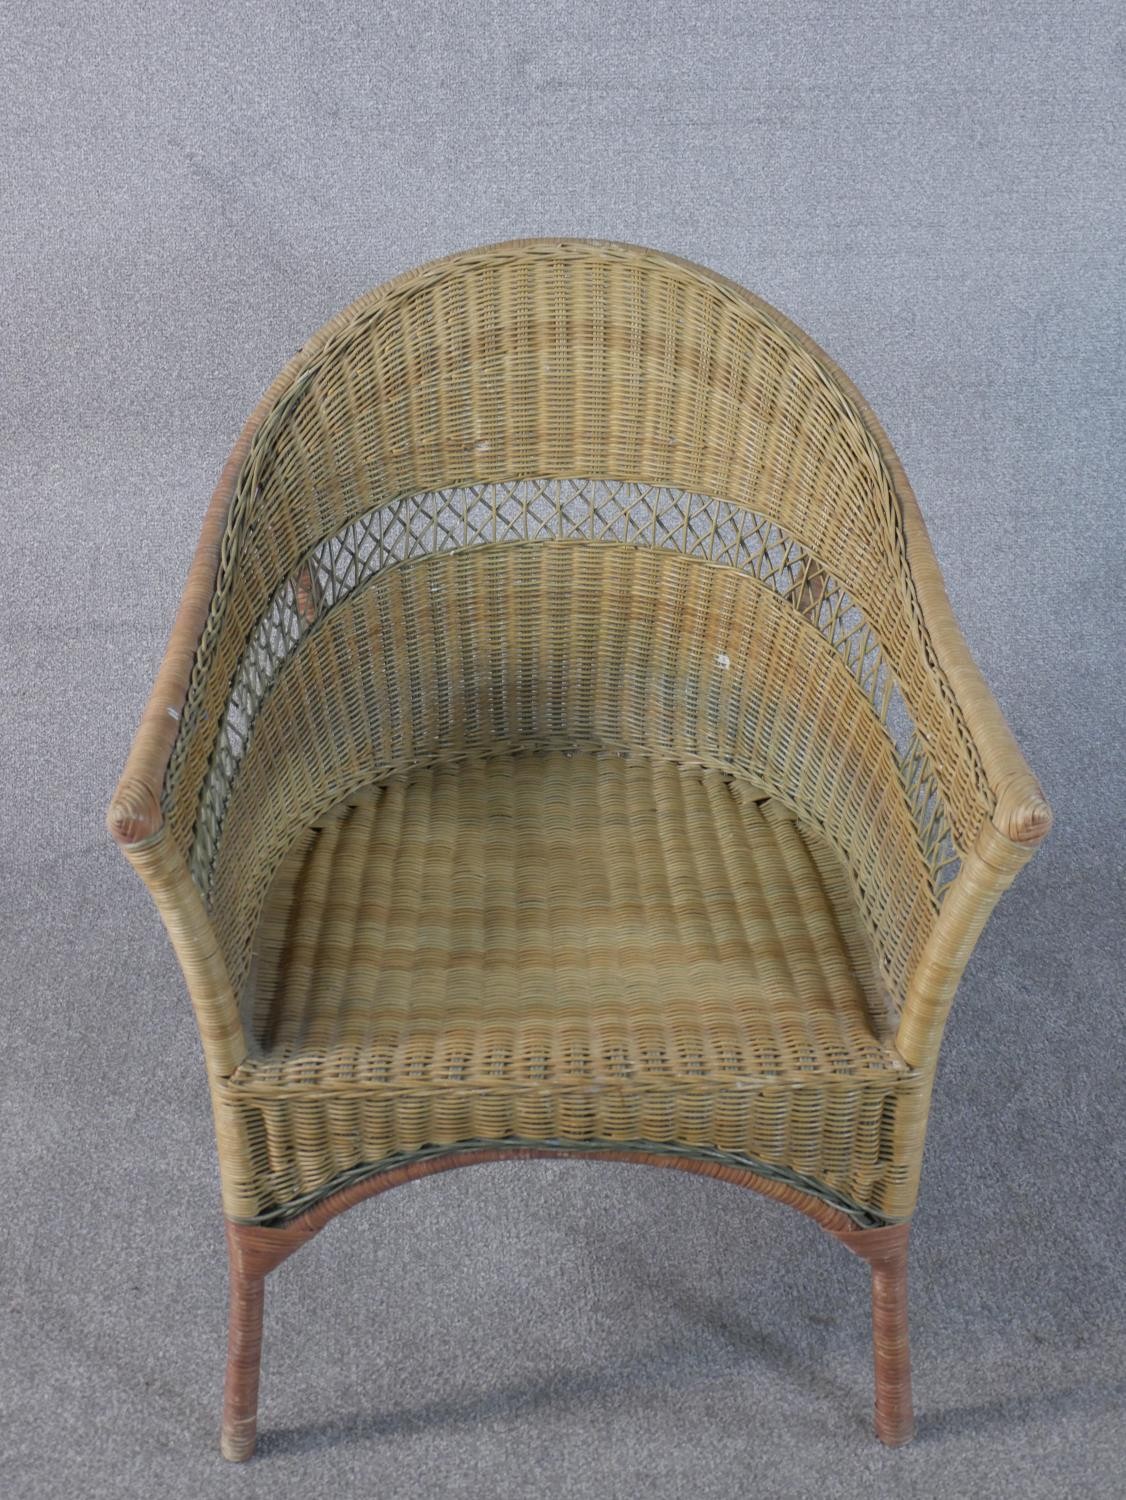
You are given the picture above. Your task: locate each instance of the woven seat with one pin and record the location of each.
(499, 949)
(565, 746)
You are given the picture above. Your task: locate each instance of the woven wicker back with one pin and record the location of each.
(575, 493)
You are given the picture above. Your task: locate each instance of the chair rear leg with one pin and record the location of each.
(895, 1419)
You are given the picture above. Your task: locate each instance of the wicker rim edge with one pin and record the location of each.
(828, 1208)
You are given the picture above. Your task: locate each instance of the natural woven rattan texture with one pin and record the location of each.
(567, 510)
(563, 359)
(544, 510)
(574, 644)
(568, 947)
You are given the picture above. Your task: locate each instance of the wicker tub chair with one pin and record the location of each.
(565, 747)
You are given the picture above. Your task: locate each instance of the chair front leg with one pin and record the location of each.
(244, 1359)
(252, 1253)
(885, 1250)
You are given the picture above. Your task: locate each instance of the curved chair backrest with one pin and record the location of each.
(565, 423)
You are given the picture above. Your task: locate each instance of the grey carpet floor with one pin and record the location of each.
(935, 192)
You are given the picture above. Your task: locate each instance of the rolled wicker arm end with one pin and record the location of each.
(1022, 813)
(134, 813)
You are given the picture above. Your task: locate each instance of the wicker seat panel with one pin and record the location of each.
(566, 947)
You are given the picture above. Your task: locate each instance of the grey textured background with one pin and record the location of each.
(933, 190)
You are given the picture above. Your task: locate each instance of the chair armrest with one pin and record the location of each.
(134, 812)
(161, 866)
(1021, 812)
(135, 816)
(1020, 820)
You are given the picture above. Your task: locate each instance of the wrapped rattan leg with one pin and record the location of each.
(252, 1254)
(244, 1356)
(886, 1252)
